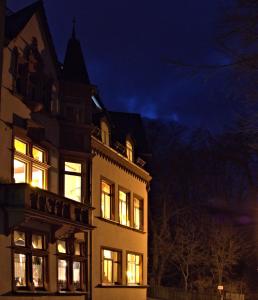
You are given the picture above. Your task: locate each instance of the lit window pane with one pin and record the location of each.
(37, 178)
(133, 269)
(20, 269)
(138, 214)
(77, 248)
(19, 169)
(62, 274)
(19, 238)
(111, 267)
(123, 209)
(107, 254)
(73, 167)
(20, 146)
(107, 274)
(77, 274)
(37, 271)
(105, 187)
(37, 154)
(61, 246)
(73, 187)
(37, 242)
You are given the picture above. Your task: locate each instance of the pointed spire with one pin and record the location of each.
(74, 65)
(73, 31)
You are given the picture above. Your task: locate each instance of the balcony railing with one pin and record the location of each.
(42, 203)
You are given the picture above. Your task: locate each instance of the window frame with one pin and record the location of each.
(129, 150)
(70, 257)
(77, 174)
(141, 209)
(119, 263)
(128, 206)
(29, 253)
(30, 162)
(112, 198)
(141, 268)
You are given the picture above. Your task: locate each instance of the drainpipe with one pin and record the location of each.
(2, 24)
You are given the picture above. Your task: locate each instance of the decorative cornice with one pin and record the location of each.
(116, 158)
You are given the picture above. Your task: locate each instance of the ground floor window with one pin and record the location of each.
(71, 264)
(111, 266)
(134, 268)
(29, 259)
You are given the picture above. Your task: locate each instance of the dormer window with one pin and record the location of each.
(129, 150)
(104, 133)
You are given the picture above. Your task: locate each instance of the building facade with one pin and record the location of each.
(73, 187)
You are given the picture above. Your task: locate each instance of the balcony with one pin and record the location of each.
(23, 204)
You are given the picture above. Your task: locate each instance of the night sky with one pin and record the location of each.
(127, 45)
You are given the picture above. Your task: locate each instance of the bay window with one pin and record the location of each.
(111, 267)
(134, 268)
(124, 207)
(73, 181)
(29, 164)
(29, 260)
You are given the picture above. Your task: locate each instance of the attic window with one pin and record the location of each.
(104, 133)
(129, 150)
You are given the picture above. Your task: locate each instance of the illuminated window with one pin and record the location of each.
(106, 200)
(26, 168)
(111, 267)
(37, 271)
(29, 259)
(20, 146)
(104, 133)
(124, 208)
(20, 171)
(61, 246)
(77, 274)
(71, 263)
(20, 270)
(129, 150)
(73, 181)
(138, 213)
(37, 154)
(134, 268)
(62, 274)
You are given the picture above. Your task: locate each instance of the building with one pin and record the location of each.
(73, 187)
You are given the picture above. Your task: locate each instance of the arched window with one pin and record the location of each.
(129, 150)
(104, 132)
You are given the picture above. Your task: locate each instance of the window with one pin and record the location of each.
(71, 264)
(29, 168)
(73, 181)
(106, 200)
(138, 213)
(129, 150)
(104, 133)
(134, 268)
(124, 208)
(111, 267)
(29, 259)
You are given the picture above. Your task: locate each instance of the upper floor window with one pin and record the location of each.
(73, 180)
(124, 207)
(106, 200)
(134, 268)
(138, 213)
(71, 264)
(111, 267)
(29, 164)
(129, 150)
(29, 259)
(104, 132)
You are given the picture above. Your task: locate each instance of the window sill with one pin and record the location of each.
(117, 286)
(120, 225)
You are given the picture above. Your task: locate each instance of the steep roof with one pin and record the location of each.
(74, 69)
(15, 22)
(129, 124)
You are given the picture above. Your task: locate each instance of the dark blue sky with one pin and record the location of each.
(126, 45)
